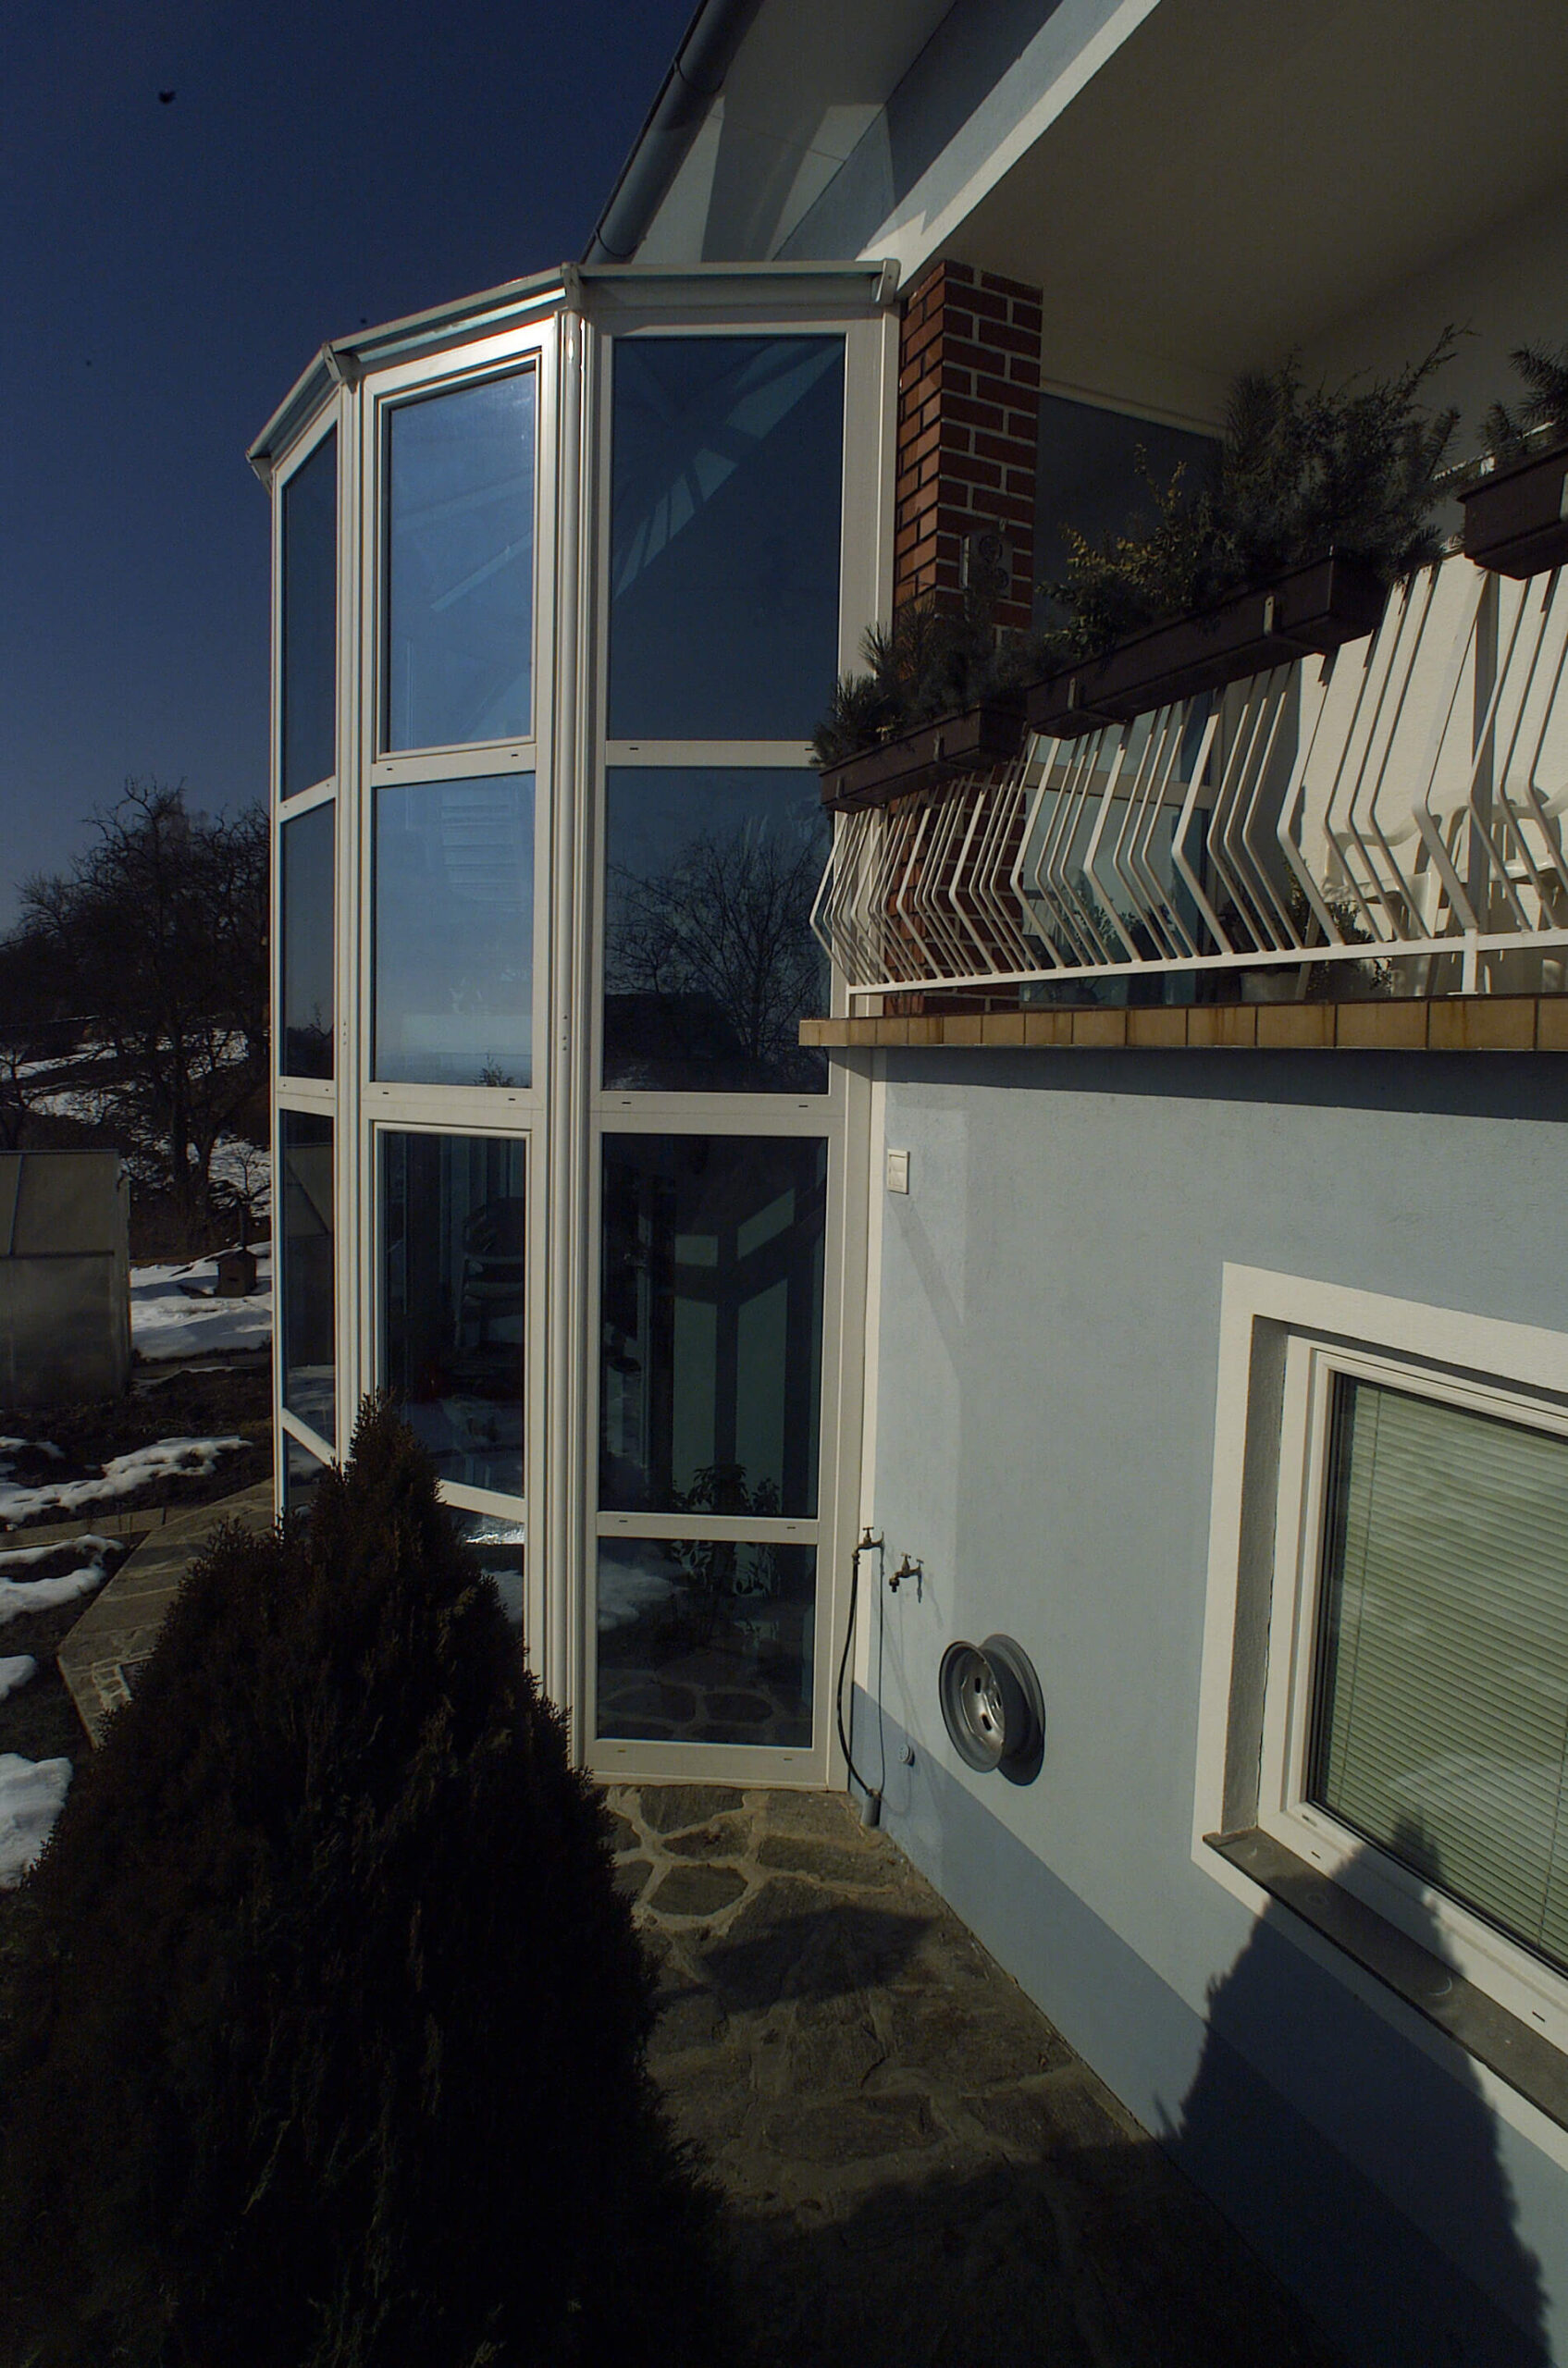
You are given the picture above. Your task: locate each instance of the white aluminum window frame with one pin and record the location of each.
(317, 1096)
(1266, 1647)
(833, 1116)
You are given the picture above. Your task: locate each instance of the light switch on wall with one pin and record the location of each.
(897, 1171)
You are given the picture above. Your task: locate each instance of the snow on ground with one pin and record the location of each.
(19, 1597)
(89, 1541)
(15, 1670)
(32, 1793)
(121, 1475)
(166, 1321)
(39, 1447)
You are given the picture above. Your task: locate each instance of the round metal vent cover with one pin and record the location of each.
(992, 1708)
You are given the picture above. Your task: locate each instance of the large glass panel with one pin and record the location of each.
(454, 931)
(307, 1299)
(1442, 1685)
(454, 1279)
(307, 945)
(726, 498)
(499, 1545)
(705, 1642)
(310, 619)
(712, 1305)
(709, 963)
(460, 567)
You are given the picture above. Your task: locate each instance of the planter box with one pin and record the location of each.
(1516, 519)
(992, 734)
(1306, 612)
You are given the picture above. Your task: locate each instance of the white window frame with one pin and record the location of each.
(1262, 1629)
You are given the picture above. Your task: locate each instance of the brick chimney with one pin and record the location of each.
(969, 408)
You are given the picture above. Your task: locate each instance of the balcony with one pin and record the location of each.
(1384, 822)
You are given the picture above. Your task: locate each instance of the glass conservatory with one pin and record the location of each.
(563, 576)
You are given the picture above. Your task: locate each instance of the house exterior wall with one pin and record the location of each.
(1045, 1338)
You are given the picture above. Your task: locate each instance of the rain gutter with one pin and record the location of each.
(694, 80)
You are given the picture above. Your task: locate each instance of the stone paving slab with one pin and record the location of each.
(920, 2171)
(121, 1625)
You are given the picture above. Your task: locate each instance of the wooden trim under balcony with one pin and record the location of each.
(1422, 1024)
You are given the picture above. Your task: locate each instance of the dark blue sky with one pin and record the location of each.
(168, 272)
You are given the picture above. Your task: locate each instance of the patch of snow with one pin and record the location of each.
(15, 1670)
(121, 1474)
(32, 1793)
(89, 1539)
(39, 1447)
(627, 1588)
(166, 1321)
(19, 1597)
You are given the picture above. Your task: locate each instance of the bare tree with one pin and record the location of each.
(31, 1029)
(729, 921)
(159, 932)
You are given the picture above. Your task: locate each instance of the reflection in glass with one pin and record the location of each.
(1097, 475)
(310, 619)
(712, 1314)
(307, 945)
(454, 1271)
(499, 1546)
(709, 963)
(725, 536)
(305, 1141)
(705, 1642)
(460, 599)
(302, 1474)
(454, 931)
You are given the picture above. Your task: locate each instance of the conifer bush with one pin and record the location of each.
(327, 2049)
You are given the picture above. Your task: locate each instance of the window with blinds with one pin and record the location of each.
(1439, 1726)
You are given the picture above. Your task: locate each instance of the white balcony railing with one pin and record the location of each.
(1398, 807)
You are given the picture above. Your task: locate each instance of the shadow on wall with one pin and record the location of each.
(1399, 2304)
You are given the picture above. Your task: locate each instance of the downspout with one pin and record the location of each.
(695, 79)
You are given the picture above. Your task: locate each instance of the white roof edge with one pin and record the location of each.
(924, 222)
(342, 360)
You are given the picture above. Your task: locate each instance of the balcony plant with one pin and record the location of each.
(1322, 499)
(1516, 512)
(940, 691)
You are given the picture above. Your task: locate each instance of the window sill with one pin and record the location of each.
(1419, 1024)
(1486, 2030)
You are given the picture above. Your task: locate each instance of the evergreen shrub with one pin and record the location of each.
(327, 2050)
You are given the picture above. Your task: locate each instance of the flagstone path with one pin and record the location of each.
(921, 2172)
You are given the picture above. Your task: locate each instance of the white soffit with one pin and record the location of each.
(1236, 178)
(809, 78)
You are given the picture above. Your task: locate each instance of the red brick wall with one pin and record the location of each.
(968, 406)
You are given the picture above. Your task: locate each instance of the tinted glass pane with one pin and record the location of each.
(710, 962)
(307, 1315)
(1090, 478)
(454, 931)
(459, 596)
(499, 1544)
(455, 1279)
(307, 945)
(724, 615)
(310, 619)
(705, 1642)
(711, 1323)
(301, 1473)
